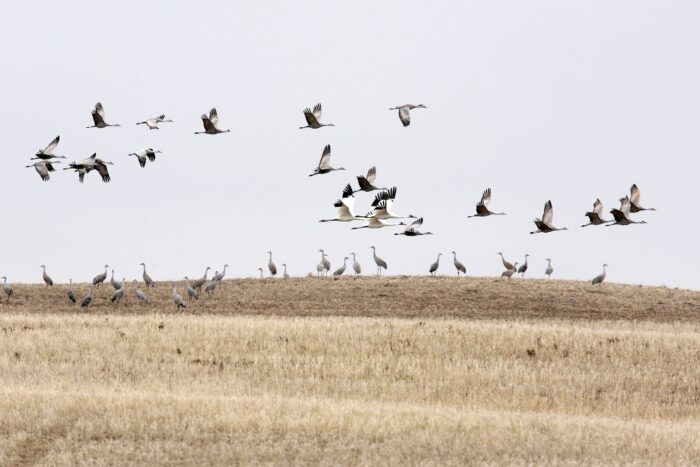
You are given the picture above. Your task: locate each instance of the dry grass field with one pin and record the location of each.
(355, 370)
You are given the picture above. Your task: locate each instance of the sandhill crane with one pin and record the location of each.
(344, 207)
(115, 284)
(211, 286)
(140, 296)
(70, 293)
(313, 118)
(8, 290)
(89, 164)
(218, 277)
(98, 117)
(47, 280)
(622, 215)
(200, 282)
(284, 274)
(545, 225)
(191, 293)
(119, 293)
(404, 112)
(324, 266)
(523, 268)
(145, 154)
(366, 182)
(341, 269)
(211, 123)
(100, 278)
(381, 206)
(146, 278)
(506, 264)
(634, 200)
(355, 265)
(375, 223)
(381, 264)
(595, 216)
(260, 270)
(412, 229)
(48, 152)
(549, 269)
(87, 300)
(152, 123)
(509, 272)
(324, 165)
(482, 207)
(600, 277)
(270, 265)
(459, 266)
(43, 168)
(177, 299)
(434, 267)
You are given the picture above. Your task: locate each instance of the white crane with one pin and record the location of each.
(404, 112)
(140, 296)
(459, 266)
(115, 284)
(270, 265)
(98, 117)
(8, 290)
(119, 293)
(381, 264)
(90, 164)
(375, 223)
(100, 278)
(146, 278)
(412, 230)
(70, 293)
(220, 276)
(482, 207)
(545, 225)
(152, 123)
(600, 277)
(211, 124)
(509, 272)
(191, 293)
(344, 207)
(523, 268)
(200, 282)
(177, 299)
(434, 267)
(506, 264)
(313, 118)
(634, 200)
(145, 154)
(48, 152)
(341, 270)
(87, 300)
(622, 215)
(382, 206)
(548, 272)
(324, 165)
(366, 182)
(43, 168)
(47, 280)
(595, 217)
(355, 265)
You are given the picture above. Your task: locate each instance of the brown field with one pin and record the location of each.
(356, 370)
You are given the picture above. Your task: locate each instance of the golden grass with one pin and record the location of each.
(98, 388)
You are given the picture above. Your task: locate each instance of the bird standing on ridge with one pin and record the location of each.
(115, 284)
(600, 277)
(459, 266)
(218, 277)
(285, 274)
(271, 266)
(8, 290)
(509, 272)
(324, 266)
(146, 278)
(211, 286)
(313, 118)
(98, 117)
(434, 267)
(341, 270)
(47, 280)
(355, 265)
(260, 270)
(211, 123)
(545, 225)
(482, 207)
(549, 269)
(523, 268)
(87, 300)
(191, 293)
(140, 296)
(381, 264)
(405, 114)
(506, 264)
(197, 285)
(324, 165)
(100, 278)
(119, 293)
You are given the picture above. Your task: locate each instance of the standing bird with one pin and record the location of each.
(412, 229)
(324, 266)
(219, 276)
(622, 215)
(98, 117)
(381, 264)
(100, 278)
(115, 284)
(595, 217)
(48, 152)
(600, 277)
(211, 124)
(545, 225)
(119, 293)
(366, 182)
(634, 200)
(7, 288)
(313, 117)
(341, 269)
(191, 293)
(43, 168)
(271, 266)
(523, 268)
(506, 264)
(284, 274)
(355, 265)
(344, 207)
(146, 278)
(140, 296)
(177, 299)
(482, 207)
(200, 282)
(145, 154)
(70, 293)
(211, 286)
(260, 270)
(87, 300)
(324, 165)
(434, 267)
(152, 123)
(549, 269)
(459, 266)
(404, 112)
(509, 272)
(47, 280)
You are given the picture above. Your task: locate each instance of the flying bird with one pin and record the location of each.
(366, 182)
(98, 117)
(344, 207)
(211, 123)
(89, 164)
(634, 200)
(482, 207)
(595, 217)
(405, 114)
(622, 215)
(324, 165)
(43, 168)
(382, 204)
(412, 230)
(145, 154)
(48, 152)
(545, 225)
(152, 123)
(313, 118)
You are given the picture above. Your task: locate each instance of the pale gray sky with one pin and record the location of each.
(539, 100)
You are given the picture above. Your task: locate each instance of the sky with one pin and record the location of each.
(538, 100)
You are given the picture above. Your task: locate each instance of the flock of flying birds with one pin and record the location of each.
(380, 215)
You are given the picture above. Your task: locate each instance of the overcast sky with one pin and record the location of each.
(538, 100)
